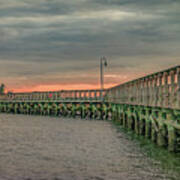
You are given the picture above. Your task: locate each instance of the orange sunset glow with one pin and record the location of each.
(83, 81)
(42, 88)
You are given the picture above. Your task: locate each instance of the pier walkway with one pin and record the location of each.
(51, 148)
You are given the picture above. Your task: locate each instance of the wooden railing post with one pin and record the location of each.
(172, 90)
(178, 88)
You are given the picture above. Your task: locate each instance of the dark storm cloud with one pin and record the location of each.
(135, 3)
(45, 36)
(39, 7)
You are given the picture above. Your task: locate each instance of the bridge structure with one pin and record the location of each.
(149, 106)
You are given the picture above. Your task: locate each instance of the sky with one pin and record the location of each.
(57, 44)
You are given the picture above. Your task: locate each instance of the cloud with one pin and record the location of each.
(48, 39)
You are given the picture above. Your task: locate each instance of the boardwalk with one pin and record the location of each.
(49, 148)
(149, 106)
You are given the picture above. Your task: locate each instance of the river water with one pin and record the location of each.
(50, 148)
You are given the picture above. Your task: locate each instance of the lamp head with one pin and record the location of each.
(105, 63)
(105, 60)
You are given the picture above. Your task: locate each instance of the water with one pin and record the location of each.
(47, 148)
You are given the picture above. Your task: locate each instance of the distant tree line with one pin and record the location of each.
(2, 89)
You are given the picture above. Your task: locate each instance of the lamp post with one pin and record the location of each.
(103, 63)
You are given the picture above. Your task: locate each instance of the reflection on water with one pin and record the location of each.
(43, 148)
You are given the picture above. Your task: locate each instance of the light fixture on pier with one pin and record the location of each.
(103, 63)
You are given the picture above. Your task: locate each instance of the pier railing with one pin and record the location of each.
(64, 95)
(161, 89)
